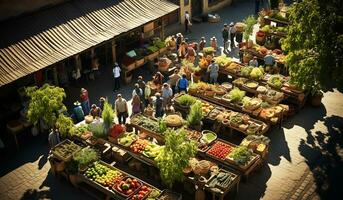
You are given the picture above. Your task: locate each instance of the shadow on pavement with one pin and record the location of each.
(323, 152)
(278, 147)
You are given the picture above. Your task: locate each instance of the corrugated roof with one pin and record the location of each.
(30, 43)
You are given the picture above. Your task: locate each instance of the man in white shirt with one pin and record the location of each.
(116, 74)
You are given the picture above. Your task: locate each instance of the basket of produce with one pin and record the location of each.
(221, 180)
(219, 90)
(143, 193)
(104, 175)
(89, 119)
(64, 151)
(215, 112)
(127, 138)
(127, 187)
(185, 101)
(240, 81)
(241, 156)
(193, 135)
(201, 167)
(227, 86)
(236, 95)
(206, 108)
(261, 89)
(233, 67)
(251, 104)
(275, 81)
(219, 150)
(257, 143)
(173, 120)
(207, 137)
(236, 119)
(251, 84)
(253, 129)
(153, 194)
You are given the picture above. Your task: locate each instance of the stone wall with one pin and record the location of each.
(184, 8)
(214, 6)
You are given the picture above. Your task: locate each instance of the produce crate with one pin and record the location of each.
(153, 55)
(68, 154)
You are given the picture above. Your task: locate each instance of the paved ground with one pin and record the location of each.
(305, 159)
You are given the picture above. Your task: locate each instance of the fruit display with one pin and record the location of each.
(256, 73)
(246, 70)
(240, 155)
(65, 150)
(153, 194)
(233, 67)
(206, 107)
(142, 193)
(127, 186)
(219, 150)
(208, 137)
(152, 150)
(103, 175)
(139, 145)
(127, 139)
(221, 180)
(223, 61)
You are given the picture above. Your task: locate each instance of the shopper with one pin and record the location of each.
(141, 83)
(137, 91)
(214, 44)
(158, 105)
(167, 95)
(54, 137)
(182, 50)
(158, 78)
(253, 62)
(78, 114)
(225, 35)
(179, 39)
(173, 79)
(190, 55)
(187, 22)
(269, 62)
(102, 102)
(147, 94)
(136, 104)
(116, 74)
(202, 43)
(95, 111)
(232, 32)
(213, 69)
(121, 109)
(84, 100)
(183, 83)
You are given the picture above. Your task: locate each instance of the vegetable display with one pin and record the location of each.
(139, 145)
(142, 193)
(103, 175)
(256, 72)
(275, 81)
(186, 100)
(219, 150)
(236, 95)
(127, 139)
(241, 155)
(221, 180)
(85, 156)
(127, 186)
(65, 150)
(208, 137)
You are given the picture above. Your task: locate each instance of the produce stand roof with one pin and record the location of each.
(30, 43)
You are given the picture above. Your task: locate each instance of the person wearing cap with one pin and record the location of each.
(78, 114)
(102, 102)
(225, 35)
(213, 69)
(158, 105)
(95, 111)
(116, 74)
(84, 100)
(173, 79)
(183, 83)
(202, 43)
(232, 32)
(158, 78)
(178, 40)
(214, 44)
(167, 95)
(141, 83)
(253, 62)
(121, 109)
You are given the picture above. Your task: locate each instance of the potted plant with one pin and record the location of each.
(195, 116)
(250, 21)
(72, 169)
(175, 156)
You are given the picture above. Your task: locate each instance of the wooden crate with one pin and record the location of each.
(140, 62)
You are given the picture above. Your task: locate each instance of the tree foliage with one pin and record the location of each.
(314, 44)
(108, 116)
(45, 104)
(250, 21)
(64, 124)
(175, 156)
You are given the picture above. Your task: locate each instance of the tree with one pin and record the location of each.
(108, 116)
(175, 156)
(46, 103)
(314, 44)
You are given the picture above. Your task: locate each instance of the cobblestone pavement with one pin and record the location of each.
(305, 158)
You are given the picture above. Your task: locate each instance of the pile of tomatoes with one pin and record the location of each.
(127, 186)
(220, 150)
(139, 145)
(142, 193)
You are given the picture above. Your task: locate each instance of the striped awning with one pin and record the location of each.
(30, 43)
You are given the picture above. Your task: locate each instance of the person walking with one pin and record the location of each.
(232, 32)
(167, 95)
(116, 74)
(121, 109)
(213, 69)
(136, 105)
(187, 22)
(173, 79)
(84, 100)
(183, 83)
(147, 94)
(225, 35)
(158, 105)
